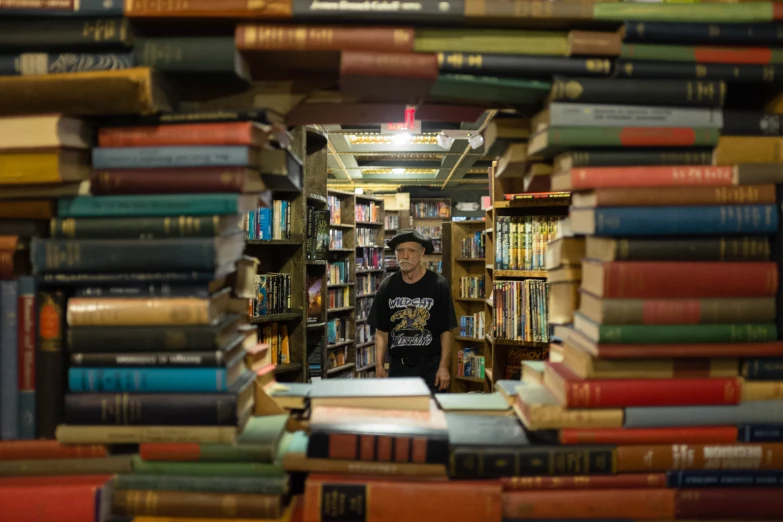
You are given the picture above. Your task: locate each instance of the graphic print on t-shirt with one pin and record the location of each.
(410, 317)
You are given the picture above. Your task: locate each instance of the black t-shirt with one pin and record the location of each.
(414, 315)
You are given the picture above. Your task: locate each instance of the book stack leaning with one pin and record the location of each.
(152, 297)
(660, 407)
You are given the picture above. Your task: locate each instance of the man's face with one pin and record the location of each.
(409, 255)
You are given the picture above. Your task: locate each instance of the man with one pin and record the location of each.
(413, 315)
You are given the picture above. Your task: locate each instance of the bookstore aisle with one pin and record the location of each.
(196, 204)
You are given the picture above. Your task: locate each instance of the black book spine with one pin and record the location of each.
(66, 35)
(751, 123)
(639, 92)
(151, 409)
(102, 339)
(324, 444)
(697, 33)
(521, 66)
(381, 11)
(531, 461)
(143, 290)
(624, 158)
(146, 359)
(135, 228)
(693, 249)
(50, 366)
(734, 73)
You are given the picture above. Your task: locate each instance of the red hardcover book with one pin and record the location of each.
(63, 502)
(590, 504)
(650, 280)
(48, 449)
(679, 456)
(697, 435)
(652, 176)
(575, 392)
(729, 504)
(175, 181)
(184, 134)
(625, 481)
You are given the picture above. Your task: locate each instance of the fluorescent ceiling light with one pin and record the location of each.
(398, 171)
(399, 139)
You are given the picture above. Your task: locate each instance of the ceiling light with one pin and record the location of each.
(399, 139)
(398, 171)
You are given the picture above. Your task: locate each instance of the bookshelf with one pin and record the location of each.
(340, 352)
(507, 351)
(464, 265)
(428, 216)
(370, 246)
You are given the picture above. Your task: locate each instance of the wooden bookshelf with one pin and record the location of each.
(505, 351)
(370, 239)
(422, 220)
(459, 263)
(339, 366)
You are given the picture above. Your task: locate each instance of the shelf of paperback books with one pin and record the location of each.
(370, 247)
(428, 216)
(340, 352)
(464, 244)
(519, 227)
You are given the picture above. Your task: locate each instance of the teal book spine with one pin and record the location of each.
(149, 205)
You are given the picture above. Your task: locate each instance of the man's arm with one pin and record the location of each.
(381, 343)
(443, 378)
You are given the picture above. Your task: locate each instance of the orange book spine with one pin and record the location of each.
(627, 481)
(651, 176)
(324, 38)
(645, 504)
(62, 502)
(238, 133)
(704, 435)
(264, 9)
(389, 64)
(48, 449)
(663, 457)
(670, 196)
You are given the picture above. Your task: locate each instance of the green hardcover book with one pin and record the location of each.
(705, 54)
(207, 469)
(221, 484)
(554, 140)
(746, 12)
(465, 87)
(497, 41)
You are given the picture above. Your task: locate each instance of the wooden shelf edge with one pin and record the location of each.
(288, 316)
(531, 274)
(337, 369)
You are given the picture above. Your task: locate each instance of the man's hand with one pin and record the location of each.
(442, 378)
(380, 371)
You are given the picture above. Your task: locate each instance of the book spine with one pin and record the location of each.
(236, 133)
(323, 38)
(728, 503)
(198, 54)
(669, 93)
(763, 369)
(681, 53)
(663, 351)
(151, 482)
(724, 479)
(139, 157)
(49, 363)
(741, 73)
(108, 278)
(167, 181)
(117, 339)
(589, 115)
(9, 365)
(521, 66)
(80, 8)
(161, 503)
(256, 452)
(619, 158)
(702, 435)
(25, 64)
(686, 333)
(716, 249)
(26, 339)
(119, 311)
(675, 197)
(355, 63)
(532, 461)
(232, 9)
(750, 123)
(701, 33)
(602, 504)
(757, 412)
(643, 280)
(168, 360)
(633, 137)
(649, 176)
(636, 392)
(415, 11)
(753, 219)
(151, 380)
(99, 34)
(749, 12)
(593, 43)
(143, 290)
(148, 409)
(49, 449)
(134, 228)
(671, 457)
(149, 206)
(688, 311)
(627, 481)
(418, 449)
(760, 433)
(85, 255)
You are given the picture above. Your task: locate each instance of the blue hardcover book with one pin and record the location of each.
(9, 366)
(761, 432)
(27, 327)
(265, 223)
(755, 412)
(148, 380)
(80, 8)
(156, 205)
(763, 369)
(714, 478)
(672, 221)
(162, 157)
(56, 63)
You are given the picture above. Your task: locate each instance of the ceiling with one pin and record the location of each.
(361, 156)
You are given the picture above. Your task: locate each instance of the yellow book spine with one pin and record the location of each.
(26, 168)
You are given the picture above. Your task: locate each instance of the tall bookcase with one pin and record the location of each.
(428, 216)
(370, 247)
(464, 265)
(505, 354)
(288, 256)
(340, 353)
